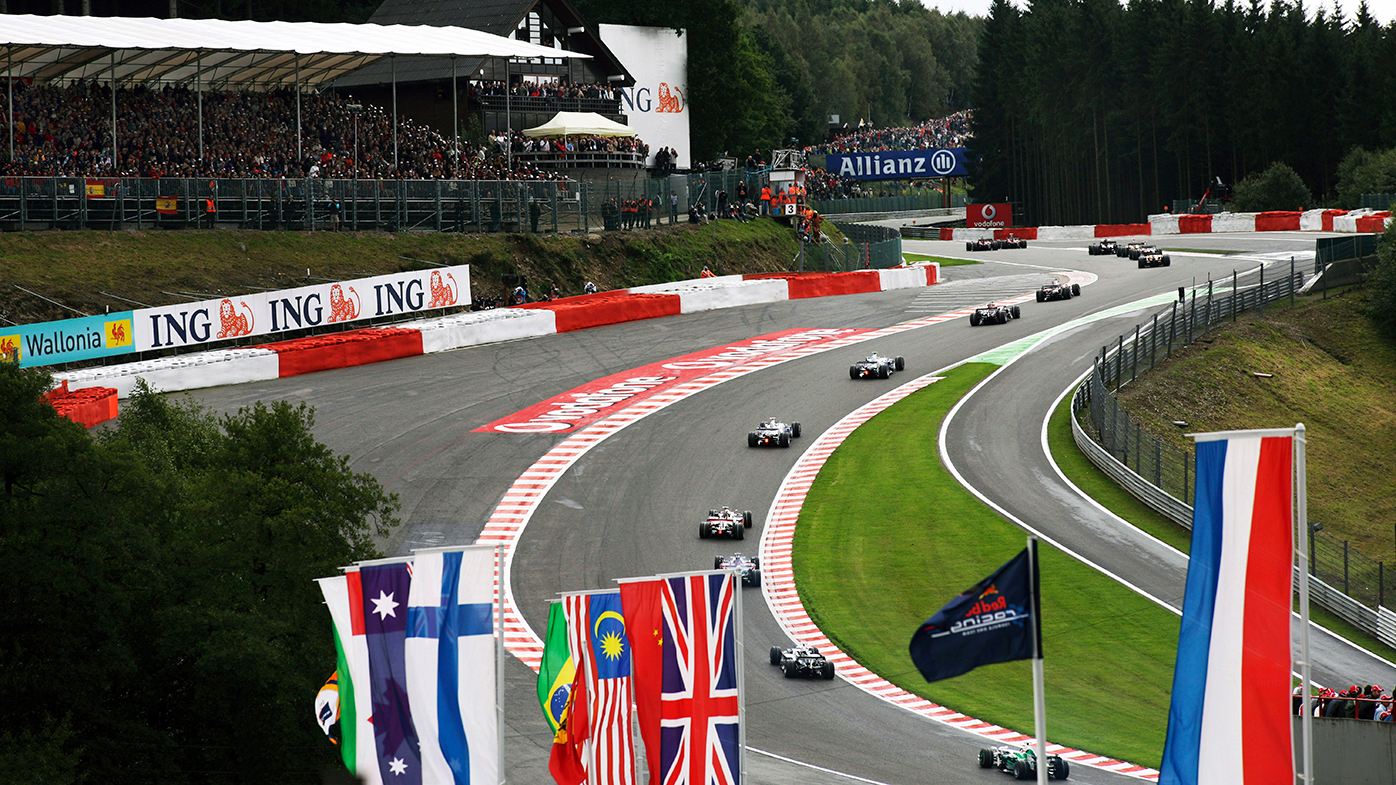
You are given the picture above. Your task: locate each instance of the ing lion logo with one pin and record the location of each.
(441, 294)
(669, 100)
(233, 324)
(343, 309)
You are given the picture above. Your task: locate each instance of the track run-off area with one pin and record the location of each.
(621, 496)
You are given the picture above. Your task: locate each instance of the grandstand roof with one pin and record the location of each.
(241, 55)
(499, 17)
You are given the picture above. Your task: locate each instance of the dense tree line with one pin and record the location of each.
(158, 616)
(1089, 111)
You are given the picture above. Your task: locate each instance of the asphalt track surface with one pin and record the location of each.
(630, 506)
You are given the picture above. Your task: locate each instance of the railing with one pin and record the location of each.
(300, 204)
(496, 103)
(602, 159)
(878, 246)
(1160, 474)
(1378, 201)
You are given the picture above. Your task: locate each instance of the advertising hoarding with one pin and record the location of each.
(50, 343)
(898, 164)
(268, 313)
(989, 216)
(657, 106)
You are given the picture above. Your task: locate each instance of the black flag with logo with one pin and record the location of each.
(992, 621)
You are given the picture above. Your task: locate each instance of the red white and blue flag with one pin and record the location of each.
(601, 653)
(687, 692)
(1229, 722)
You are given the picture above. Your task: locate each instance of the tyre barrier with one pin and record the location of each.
(373, 345)
(87, 406)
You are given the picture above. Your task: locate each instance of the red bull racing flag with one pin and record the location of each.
(1229, 718)
(992, 621)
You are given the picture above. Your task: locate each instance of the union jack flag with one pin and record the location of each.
(684, 637)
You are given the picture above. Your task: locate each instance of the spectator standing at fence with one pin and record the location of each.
(673, 207)
(766, 199)
(534, 211)
(741, 192)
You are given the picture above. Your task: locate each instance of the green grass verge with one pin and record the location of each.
(870, 577)
(944, 262)
(1097, 485)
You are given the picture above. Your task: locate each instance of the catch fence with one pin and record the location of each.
(1159, 472)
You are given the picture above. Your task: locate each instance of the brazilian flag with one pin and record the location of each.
(555, 675)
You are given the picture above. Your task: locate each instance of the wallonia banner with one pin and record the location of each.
(268, 313)
(50, 343)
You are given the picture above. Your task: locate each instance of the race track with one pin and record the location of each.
(630, 506)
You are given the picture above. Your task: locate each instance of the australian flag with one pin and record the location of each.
(994, 620)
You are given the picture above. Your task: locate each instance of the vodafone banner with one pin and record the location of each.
(988, 216)
(591, 402)
(267, 313)
(657, 106)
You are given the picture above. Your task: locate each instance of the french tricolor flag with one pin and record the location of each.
(1229, 722)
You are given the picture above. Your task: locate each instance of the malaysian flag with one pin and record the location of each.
(684, 634)
(1229, 717)
(596, 630)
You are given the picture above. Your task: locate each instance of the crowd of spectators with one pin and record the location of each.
(950, 131)
(65, 130)
(1361, 703)
(561, 147)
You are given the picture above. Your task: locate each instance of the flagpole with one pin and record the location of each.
(1301, 485)
(1039, 702)
(741, 684)
(498, 659)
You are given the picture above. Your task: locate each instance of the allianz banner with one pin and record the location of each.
(899, 164)
(268, 313)
(50, 343)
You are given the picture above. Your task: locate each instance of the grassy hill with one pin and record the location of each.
(91, 271)
(1330, 370)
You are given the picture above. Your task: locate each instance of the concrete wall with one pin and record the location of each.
(1350, 752)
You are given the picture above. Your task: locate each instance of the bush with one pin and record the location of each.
(1276, 188)
(1364, 172)
(1381, 286)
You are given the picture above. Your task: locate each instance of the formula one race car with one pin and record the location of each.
(1139, 249)
(725, 522)
(1057, 290)
(1131, 250)
(1022, 763)
(982, 244)
(802, 662)
(748, 568)
(1012, 242)
(1155, 258)
(773, 433)
(1102, 248)
(875, 367)
(993, 314)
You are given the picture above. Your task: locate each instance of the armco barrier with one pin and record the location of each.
(1278, 221)
(233, 366)
(603, 308)
(1194, 224)
(471, 329)
(802, 285)
(1121, 230)
(345, 350)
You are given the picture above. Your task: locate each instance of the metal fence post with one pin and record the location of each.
(1381, 584)
(1185, 477)
(1346, 590)
(1153, 343)
(1207, 329)
(1235, 292)
(1134, 369)
(1119, 362)
(1158, 463)
(1292, 287)
(1138, 448)
(1172, 320)
(1260, 293)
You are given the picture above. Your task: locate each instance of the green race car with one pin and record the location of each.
(1022, 763)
